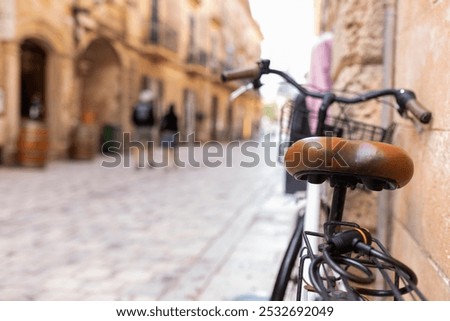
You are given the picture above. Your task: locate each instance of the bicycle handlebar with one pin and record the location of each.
(246, 73)
(419, 111)
(406, 99)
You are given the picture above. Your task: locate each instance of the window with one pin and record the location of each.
(154, 33)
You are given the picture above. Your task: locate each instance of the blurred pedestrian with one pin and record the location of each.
(144, 120)
(36, 107)
(169, 132)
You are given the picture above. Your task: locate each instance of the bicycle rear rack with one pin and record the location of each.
(356, 275)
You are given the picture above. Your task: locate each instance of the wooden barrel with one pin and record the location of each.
(88, 117)
(85, 142)
(33, 144)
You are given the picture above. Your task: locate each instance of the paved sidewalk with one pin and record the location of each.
(79, 231)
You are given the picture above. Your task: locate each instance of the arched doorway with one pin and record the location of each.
(99, 69)
(33, 62)
(32, 142)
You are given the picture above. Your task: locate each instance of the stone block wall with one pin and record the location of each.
(421, 213)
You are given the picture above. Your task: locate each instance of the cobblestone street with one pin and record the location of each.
(79, 231)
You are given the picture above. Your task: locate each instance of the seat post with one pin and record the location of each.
(337, 207)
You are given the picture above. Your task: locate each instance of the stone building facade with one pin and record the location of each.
(401, 43)
(89, 59)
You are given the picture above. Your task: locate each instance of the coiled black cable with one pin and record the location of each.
(337, 259)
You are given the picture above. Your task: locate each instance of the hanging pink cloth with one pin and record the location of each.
(319, 74)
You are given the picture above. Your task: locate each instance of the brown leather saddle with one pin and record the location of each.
(376, 165)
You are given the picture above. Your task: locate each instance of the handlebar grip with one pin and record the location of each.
(418, 110)
(247, 73)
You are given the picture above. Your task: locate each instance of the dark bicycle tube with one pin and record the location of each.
(315, 278)
(288, 262)
(334, 262)
(387, 258)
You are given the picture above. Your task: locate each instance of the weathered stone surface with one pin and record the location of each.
(355, 79)
(361, 208)
(422, 215)
(358, 34)
(432, 280)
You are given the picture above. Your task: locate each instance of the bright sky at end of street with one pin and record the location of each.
(288, 30)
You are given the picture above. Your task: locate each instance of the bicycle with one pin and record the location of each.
(342, 261)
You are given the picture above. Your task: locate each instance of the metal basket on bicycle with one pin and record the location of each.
(344, 126)
(297, 122)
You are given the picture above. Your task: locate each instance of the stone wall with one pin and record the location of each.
(422, 216)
